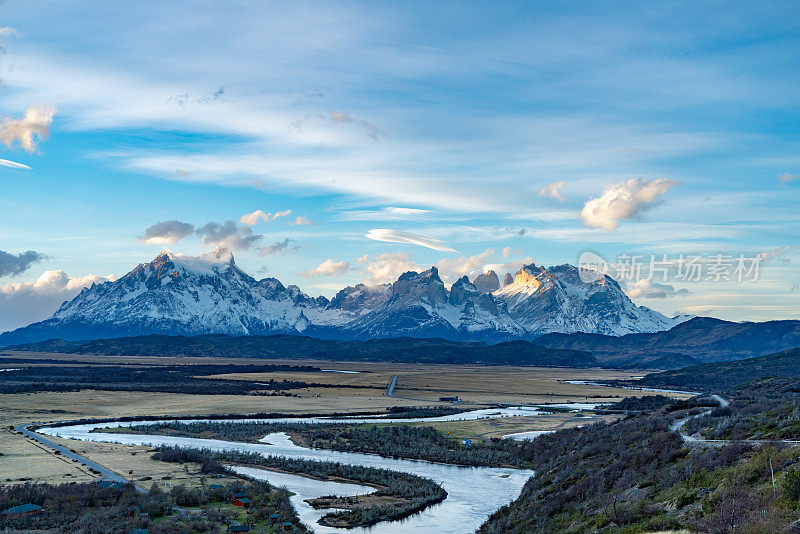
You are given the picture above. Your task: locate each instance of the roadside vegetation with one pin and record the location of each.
(765, 409)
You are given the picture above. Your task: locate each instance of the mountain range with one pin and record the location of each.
(210, 294)
(698, 340)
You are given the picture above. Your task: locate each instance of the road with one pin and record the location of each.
(678, 425)
(391, 386)
(105, 473)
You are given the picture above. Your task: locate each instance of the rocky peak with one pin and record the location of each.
(462, 291)
(509, 279)
(487, 282)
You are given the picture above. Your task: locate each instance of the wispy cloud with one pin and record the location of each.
(253, 218)
(13, 164)
(398, 236)
(7, 31)
(340, 118)
(624, 201)
(785, 178)
(553, 190)
(276, 248)
(301, 221)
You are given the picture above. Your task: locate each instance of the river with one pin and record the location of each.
(473, 492)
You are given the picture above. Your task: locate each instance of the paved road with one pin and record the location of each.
(391, 386)
(105, 473)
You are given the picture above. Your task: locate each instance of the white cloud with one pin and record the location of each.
(387, 267)
(451, 270)
(785, 178)
(27, 131)
(7, 31)
(398, 236)
(166, 233)
(553, 191)
(13, 164)
(28, 302)
(626, 200)
(253, 218)
(647, 289)
(301, 221)
(328, 267)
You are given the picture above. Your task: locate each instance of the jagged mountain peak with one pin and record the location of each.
(487, 282)
(177, 294)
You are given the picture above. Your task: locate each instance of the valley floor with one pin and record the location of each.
(23, 459)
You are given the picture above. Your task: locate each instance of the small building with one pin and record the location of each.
(274, 518)
(239, 495)
(243, 502)
(140, 531)
(239, 528)
(22, 510)
(287, 525)
(214, 486)
(467, 442)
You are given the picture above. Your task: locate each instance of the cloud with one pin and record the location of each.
(166, 233)
(228, 236)
(626, 200)
(276, 248)
(253, 218)
(451, 270)
(779, 253)
(301, 221)
(328, 267)
(398, 236)
(340, 118)
(13, 164)
(508, 267)
(647, 289)
(553, 191)
(785, 178)
(7, 31)
(11, 264)
(386, 267)
(28, 302)
(405, 211)
(34, 126)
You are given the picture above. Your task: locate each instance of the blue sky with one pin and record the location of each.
(453, 122)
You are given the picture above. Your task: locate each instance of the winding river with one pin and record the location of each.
(473, 492)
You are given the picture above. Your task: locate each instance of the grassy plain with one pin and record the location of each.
(418, 385)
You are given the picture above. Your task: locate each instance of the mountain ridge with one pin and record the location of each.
(210, 294)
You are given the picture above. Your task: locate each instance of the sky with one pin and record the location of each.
(331, 143)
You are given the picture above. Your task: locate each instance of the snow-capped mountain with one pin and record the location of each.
(558, 300)
(176, 294)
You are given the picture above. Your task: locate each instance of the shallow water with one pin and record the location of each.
(473, 492)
